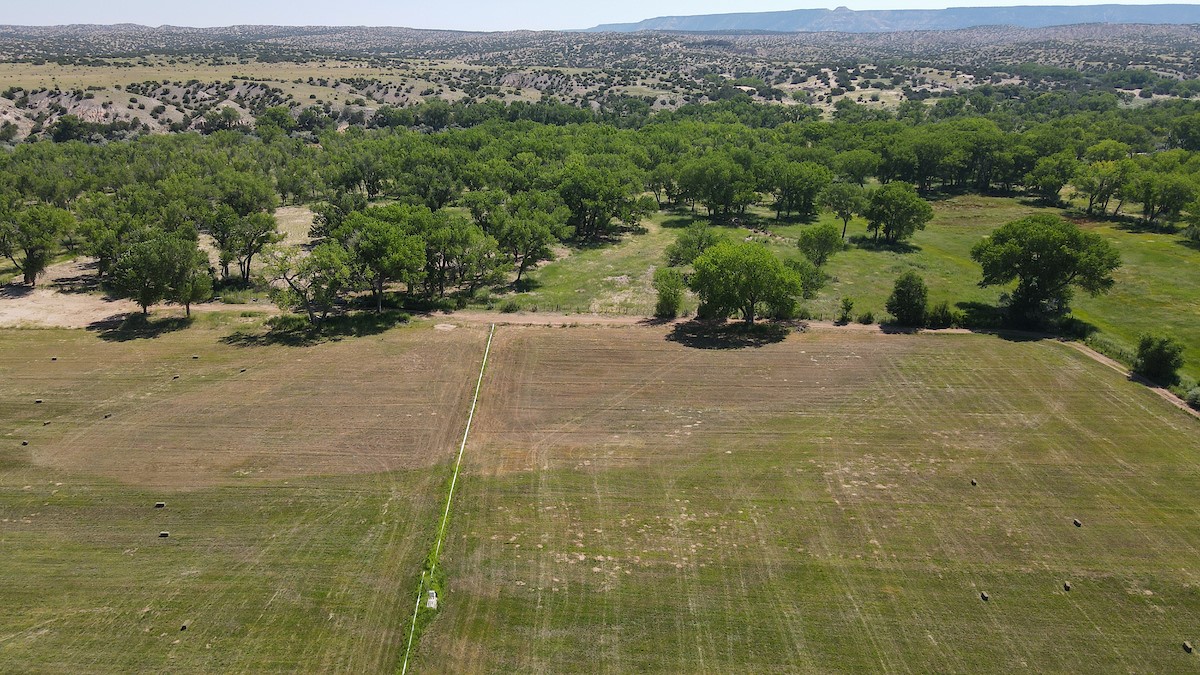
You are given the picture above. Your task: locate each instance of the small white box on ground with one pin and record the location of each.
(431, 600)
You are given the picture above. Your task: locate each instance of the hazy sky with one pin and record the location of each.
(457, 14)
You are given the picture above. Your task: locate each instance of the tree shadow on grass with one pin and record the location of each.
(980, 315)
(871, 244)
(712, 335)
(137, 327)
(295, 331)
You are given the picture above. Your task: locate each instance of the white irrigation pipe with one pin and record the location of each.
(413, 630)
(450, 497)
(454, 481)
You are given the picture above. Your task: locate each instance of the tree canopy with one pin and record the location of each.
(1046, 256)
(743, 278)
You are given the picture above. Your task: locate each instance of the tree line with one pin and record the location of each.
(459, 209)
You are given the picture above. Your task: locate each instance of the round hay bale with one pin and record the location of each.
(164, 534)
(195, 356)
(46, 423)
(1187, 647)
(984, 596)
(174, 377)
(24, 442)
(243, 370)
(1067, 586)
(974, 482)
(37, 400)
(53, 358)
(1077, 523)
(160, 505)
(107, 415)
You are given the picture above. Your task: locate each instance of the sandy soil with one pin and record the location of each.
(66, 296)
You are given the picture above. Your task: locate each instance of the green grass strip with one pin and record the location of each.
(435, 555)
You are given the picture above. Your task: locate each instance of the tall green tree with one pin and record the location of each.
(163, 267)
(1047, 256)
(845, 200)
(1051, 174)
(819, 242)
(30, 235)
(384, 253)
(311, 282)
(532, 224)
(743, 278)
(896, 211)
(908, 300)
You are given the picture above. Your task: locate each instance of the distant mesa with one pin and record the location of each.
(844, 19)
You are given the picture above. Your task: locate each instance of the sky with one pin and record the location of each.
(451, 14)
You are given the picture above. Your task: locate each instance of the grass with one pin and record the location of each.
(301, 484)
(806, 506)
(630, 496)
(1157, 286)
(611, 278)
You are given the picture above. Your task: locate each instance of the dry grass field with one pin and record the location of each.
(300, 496)
(636, 503)
(633, 498)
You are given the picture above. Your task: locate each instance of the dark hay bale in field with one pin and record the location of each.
(974, 482)
(164, 534)
(1187, 647)
(160, 505)
(985, 597)
(24, 442)
(1077, 523)
(53, 358)
(1067, 586)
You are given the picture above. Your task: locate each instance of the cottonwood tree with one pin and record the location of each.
(819, 242)
(845, 200)
(1051, 174)
(1046, 256)
(251, 235)
(30, 235)
(384, 252)
(896, 211)
(741, 278)
(164, 267)
(312, 282)
(532, 223)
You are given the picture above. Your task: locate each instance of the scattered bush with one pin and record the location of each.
(908, 299)
(846, 312)
(942, 316)
(669, 284)
(1193, 398)
(1159, 357)
(509, 307)
(239, 297)
(866, 318)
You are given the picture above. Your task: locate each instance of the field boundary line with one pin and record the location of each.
(437, 550)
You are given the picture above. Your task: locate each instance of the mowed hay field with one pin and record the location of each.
(631, 503)
(301, 496)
